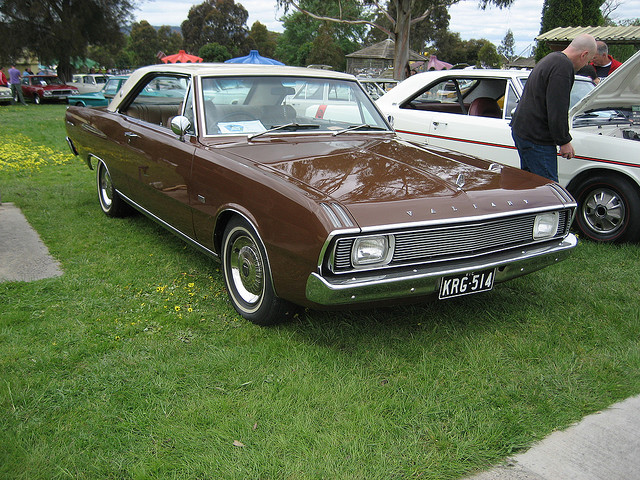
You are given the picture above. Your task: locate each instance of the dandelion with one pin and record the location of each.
(191, 285)
(177, 308)
(189, 309)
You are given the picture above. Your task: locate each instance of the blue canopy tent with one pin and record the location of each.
(254, 57)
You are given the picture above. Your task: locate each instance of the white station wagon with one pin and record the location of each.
(469, 111)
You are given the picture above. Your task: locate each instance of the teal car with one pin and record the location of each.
(102, 97)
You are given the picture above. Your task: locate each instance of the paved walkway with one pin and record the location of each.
(603, 446)
(23, 256)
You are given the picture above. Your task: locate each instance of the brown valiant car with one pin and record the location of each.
(296, 182)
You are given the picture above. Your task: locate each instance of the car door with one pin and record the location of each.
(157, 163)
(440, 116)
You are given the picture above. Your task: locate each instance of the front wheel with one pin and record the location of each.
(608, 209)
(248, 277)
(36, 99)
(110, 201)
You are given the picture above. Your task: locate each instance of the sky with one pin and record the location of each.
(523, 18)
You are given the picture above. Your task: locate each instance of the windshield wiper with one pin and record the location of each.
(287, 126)
(357, 127)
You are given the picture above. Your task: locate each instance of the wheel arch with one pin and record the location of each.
(590, 172)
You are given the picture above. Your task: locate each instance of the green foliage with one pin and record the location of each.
(325, 51)
(59, 29)
(567, 13)
(451, 48)
(507, 46)
(263, 40)
(422, 33)
(169, 41)
(592, 13)
(300, 31)
(214, 52)
(488, 56)
(143, 45)
(219, 21)
(106, 373)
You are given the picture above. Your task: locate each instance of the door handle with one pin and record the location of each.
(130, 135)
(438, 124)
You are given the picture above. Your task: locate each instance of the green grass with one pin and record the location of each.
(134, 365)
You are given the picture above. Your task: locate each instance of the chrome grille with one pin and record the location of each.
(454, 241)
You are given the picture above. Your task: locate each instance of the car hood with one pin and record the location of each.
(620, 89)
(389, 181)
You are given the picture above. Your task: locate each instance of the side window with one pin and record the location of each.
(188, 112)
(511, 103)
(442, 96)
(158, 100)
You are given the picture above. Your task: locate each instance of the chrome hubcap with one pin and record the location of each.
(603, 211)
(106, 188)
(247, 270)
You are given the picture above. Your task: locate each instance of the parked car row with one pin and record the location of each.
(46, 88)
(469, 111)
(295, 181)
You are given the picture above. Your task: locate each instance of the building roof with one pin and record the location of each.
(384, 50)
(562, 36)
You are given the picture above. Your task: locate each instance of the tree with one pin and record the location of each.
(400, 25)
(325, 51)
(263, 40)
(59, 30)
(488, 56)
(169, 42)
(143, 44)
(300, 30)
(214, 52)
(568, 13)
(507, 46)
(219, 21)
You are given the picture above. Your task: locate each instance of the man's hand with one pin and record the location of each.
(567, 151)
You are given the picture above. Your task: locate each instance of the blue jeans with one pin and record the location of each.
(539, 159)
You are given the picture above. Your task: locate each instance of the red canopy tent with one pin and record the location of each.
(181, 57)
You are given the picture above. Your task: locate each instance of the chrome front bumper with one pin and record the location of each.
(421, 281)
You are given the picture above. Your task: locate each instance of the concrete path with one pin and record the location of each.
(23, 256)
(603, 446)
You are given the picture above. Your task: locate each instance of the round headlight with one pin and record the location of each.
(545, 225)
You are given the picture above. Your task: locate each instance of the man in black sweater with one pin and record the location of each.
(541, 122)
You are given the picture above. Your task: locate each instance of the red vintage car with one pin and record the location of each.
(46, 88)
(295, 181)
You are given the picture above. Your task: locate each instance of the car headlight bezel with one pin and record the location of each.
(372, 251)
(546, 225)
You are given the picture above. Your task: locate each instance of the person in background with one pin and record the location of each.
(604, 63)
(16, 89)
(589, 71)
(541, 121)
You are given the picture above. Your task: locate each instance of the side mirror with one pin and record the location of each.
(180, 126)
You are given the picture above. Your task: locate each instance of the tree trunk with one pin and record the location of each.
(65, 70)
(401, 62)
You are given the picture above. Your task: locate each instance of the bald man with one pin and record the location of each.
(540, 124)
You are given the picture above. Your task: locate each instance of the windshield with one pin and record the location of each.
(581, 86)
(253, 105)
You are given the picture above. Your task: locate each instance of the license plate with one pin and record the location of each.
(466, 283)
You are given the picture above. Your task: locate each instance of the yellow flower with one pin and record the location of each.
(177, 307)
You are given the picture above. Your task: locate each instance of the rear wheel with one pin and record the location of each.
(248, 276)
(608, 209)
(110, 202)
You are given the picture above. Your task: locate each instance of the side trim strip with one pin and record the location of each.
(510, 147)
